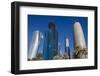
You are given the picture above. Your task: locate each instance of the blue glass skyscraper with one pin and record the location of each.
(50, 48)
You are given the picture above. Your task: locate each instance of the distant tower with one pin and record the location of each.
(67, 48)
(34, 47)
(80, 45)
(50, 42)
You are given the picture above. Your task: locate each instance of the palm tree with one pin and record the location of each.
(77, 48)
(80, 53)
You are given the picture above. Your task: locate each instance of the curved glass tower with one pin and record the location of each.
(80, 44)
(34, 47)
(79, 36)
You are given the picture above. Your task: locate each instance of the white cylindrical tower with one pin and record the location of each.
(79, 36)
(67, 42)
(34, 47)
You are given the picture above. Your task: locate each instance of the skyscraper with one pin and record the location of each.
(80, 44)
(67, 48)
(35, 43)
(50, 42)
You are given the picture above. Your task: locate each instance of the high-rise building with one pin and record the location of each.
(35, 43)
(80, 44)
(50, 42)
(67, 48)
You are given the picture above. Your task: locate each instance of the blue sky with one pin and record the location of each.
(64, 26)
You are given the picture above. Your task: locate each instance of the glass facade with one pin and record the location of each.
(50, 43)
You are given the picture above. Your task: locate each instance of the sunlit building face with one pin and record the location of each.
(79, 36)
(34, 47)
